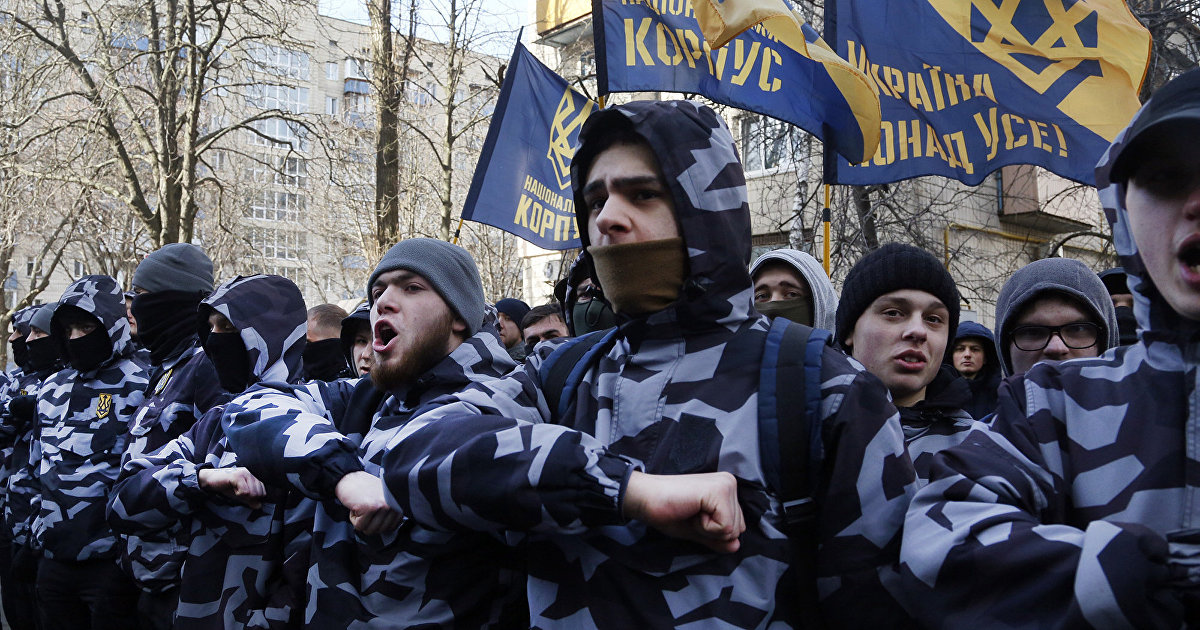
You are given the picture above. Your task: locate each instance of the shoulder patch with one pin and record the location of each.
(103, 405)
(162, 382)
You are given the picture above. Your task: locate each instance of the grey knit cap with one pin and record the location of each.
(449, 268)
(175, 267)
(42, 316)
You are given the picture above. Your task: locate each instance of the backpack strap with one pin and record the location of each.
(789, 415)
(563, 370)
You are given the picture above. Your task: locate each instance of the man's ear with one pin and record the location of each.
(459, 327)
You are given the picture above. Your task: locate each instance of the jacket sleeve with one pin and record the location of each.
(155, 491)
(867, 481)
(489, 473)
(285, 435)
(987, 542)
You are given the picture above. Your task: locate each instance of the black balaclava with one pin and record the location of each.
(43, 353)
(229, 356)
(20, 350)
(324, 360)
(166, 321)
(86, 353)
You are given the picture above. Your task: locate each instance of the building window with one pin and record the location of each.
(358, 68)
(331, 105)
(278, 206)
(331, 71)
(293, 100)
(30, 263)
(767, 143)
(279, 134)
(273, 243)
(279, 60)
(77, 268)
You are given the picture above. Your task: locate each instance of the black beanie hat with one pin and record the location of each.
(893, 267)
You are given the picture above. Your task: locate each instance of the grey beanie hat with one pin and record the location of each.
(42, 316)
(449, 268)
(175, 267)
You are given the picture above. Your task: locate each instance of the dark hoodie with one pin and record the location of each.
(1061, 516)
(309, 436)
(235, 572)
(671, 392)
(83, 420)
(986, 383)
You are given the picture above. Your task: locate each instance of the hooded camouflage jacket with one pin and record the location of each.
(83, 423)
(1058, 517)
(674, 393)
(235, 571)
(181, 390)
(310, 436)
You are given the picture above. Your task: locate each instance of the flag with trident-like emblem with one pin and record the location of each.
(522, 184)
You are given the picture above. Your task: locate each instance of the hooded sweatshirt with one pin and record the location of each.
(309, 436)
(243, 567)
(824, 297)
(1060, 516)
(987, 381)
(83, 421)
(672, 392)
(1065, 275)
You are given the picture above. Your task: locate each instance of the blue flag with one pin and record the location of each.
(968, 86)
(522, 183)
(764, 61)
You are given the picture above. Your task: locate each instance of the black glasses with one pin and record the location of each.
(1076, 335)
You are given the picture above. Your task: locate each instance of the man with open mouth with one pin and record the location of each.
(1079, 508)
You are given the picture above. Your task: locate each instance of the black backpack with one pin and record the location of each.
(789, 406)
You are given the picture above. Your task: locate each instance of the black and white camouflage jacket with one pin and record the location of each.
(677, 392)
(83, 420)
(1058, 517)
(243, 567)
(309, 436)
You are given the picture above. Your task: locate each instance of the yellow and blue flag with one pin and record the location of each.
(751, 54)
(522, 183)
(968, 86)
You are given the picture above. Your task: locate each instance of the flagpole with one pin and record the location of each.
(825, 218)
(457, 230)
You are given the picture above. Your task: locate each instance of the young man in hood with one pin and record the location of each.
(1118, 291)
(1052, 309)
(248, 543)
(356, 339)
(168, 286)
(83, 417)
(792, 284)
(898, 310)
(328, 441)
(509, 314)
(669, 397)
(1078, 508)
(973, 356)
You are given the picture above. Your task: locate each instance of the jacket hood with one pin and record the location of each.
(825, 298)
(1157, 321)
(350, 324)
(22, 318)
(269, 313)
(102, 298)
(704, 175)
(1064, 275)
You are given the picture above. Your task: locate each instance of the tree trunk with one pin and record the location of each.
(866, 217)
(387, 147)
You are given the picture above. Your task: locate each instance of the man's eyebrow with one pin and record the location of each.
(402, 276)
(624, 182)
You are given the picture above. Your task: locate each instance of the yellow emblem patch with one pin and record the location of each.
(162, 382)
(103, 406)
